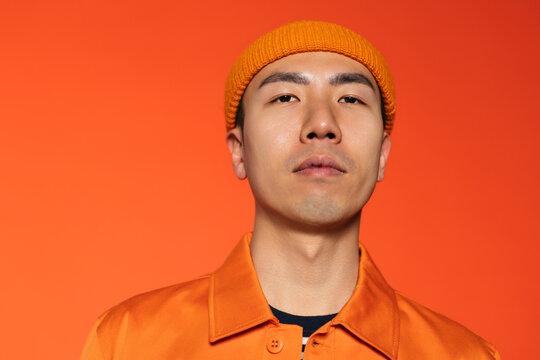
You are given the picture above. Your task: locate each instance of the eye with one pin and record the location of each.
(284, 99)
(351, 100)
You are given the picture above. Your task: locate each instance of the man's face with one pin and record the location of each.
(313, 144)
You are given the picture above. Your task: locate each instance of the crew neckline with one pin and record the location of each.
(309, 324)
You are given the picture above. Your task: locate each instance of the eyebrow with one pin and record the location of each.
(348, 78)
(292, 77)
(335, 80)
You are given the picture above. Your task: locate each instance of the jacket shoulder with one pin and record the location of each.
(155, 312)
(435, 336)
(148, 303)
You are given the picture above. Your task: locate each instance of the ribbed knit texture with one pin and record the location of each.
(305, 36)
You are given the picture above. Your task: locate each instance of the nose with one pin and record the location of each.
(320, 123)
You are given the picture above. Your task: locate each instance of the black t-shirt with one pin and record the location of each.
(309, 324)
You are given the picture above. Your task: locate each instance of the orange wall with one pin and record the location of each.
(115, 179)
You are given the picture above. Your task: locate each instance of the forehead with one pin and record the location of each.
(315, 65)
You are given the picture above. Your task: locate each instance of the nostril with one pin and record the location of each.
(312, 135)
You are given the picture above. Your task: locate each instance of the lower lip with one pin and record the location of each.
(320, 171)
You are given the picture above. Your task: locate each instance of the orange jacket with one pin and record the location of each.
(224, 315)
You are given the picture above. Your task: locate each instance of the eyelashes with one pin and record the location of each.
(284, 99)
(351, 100)
(348, 99)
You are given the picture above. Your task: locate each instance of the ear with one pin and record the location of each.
(385, 151)
(235, 144)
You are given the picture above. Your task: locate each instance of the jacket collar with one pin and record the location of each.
(237, 302)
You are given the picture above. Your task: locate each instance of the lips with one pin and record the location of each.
(319, 165)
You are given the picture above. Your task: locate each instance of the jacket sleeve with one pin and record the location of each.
(92, 350)
(496, 354)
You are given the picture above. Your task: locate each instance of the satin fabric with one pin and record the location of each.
(224, 315)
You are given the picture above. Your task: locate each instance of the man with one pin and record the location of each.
(309, 112)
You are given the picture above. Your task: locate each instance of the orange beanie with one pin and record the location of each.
(304, 36)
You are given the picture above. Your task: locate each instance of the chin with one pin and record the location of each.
(322, 213)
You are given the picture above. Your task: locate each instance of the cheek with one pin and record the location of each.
(263, 154)
(268, 140)
(364, 146)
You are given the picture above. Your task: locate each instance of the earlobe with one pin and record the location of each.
(235, 144)
(385, 151)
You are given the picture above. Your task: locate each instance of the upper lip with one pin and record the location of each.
(319, 161)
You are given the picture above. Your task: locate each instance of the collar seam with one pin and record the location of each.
(218, 334)
(236, 329)
(369, 341)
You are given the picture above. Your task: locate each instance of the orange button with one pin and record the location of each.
(274, 345)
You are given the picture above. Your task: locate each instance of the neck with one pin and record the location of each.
(304, 271)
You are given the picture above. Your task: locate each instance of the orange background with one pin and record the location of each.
(115, 178)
